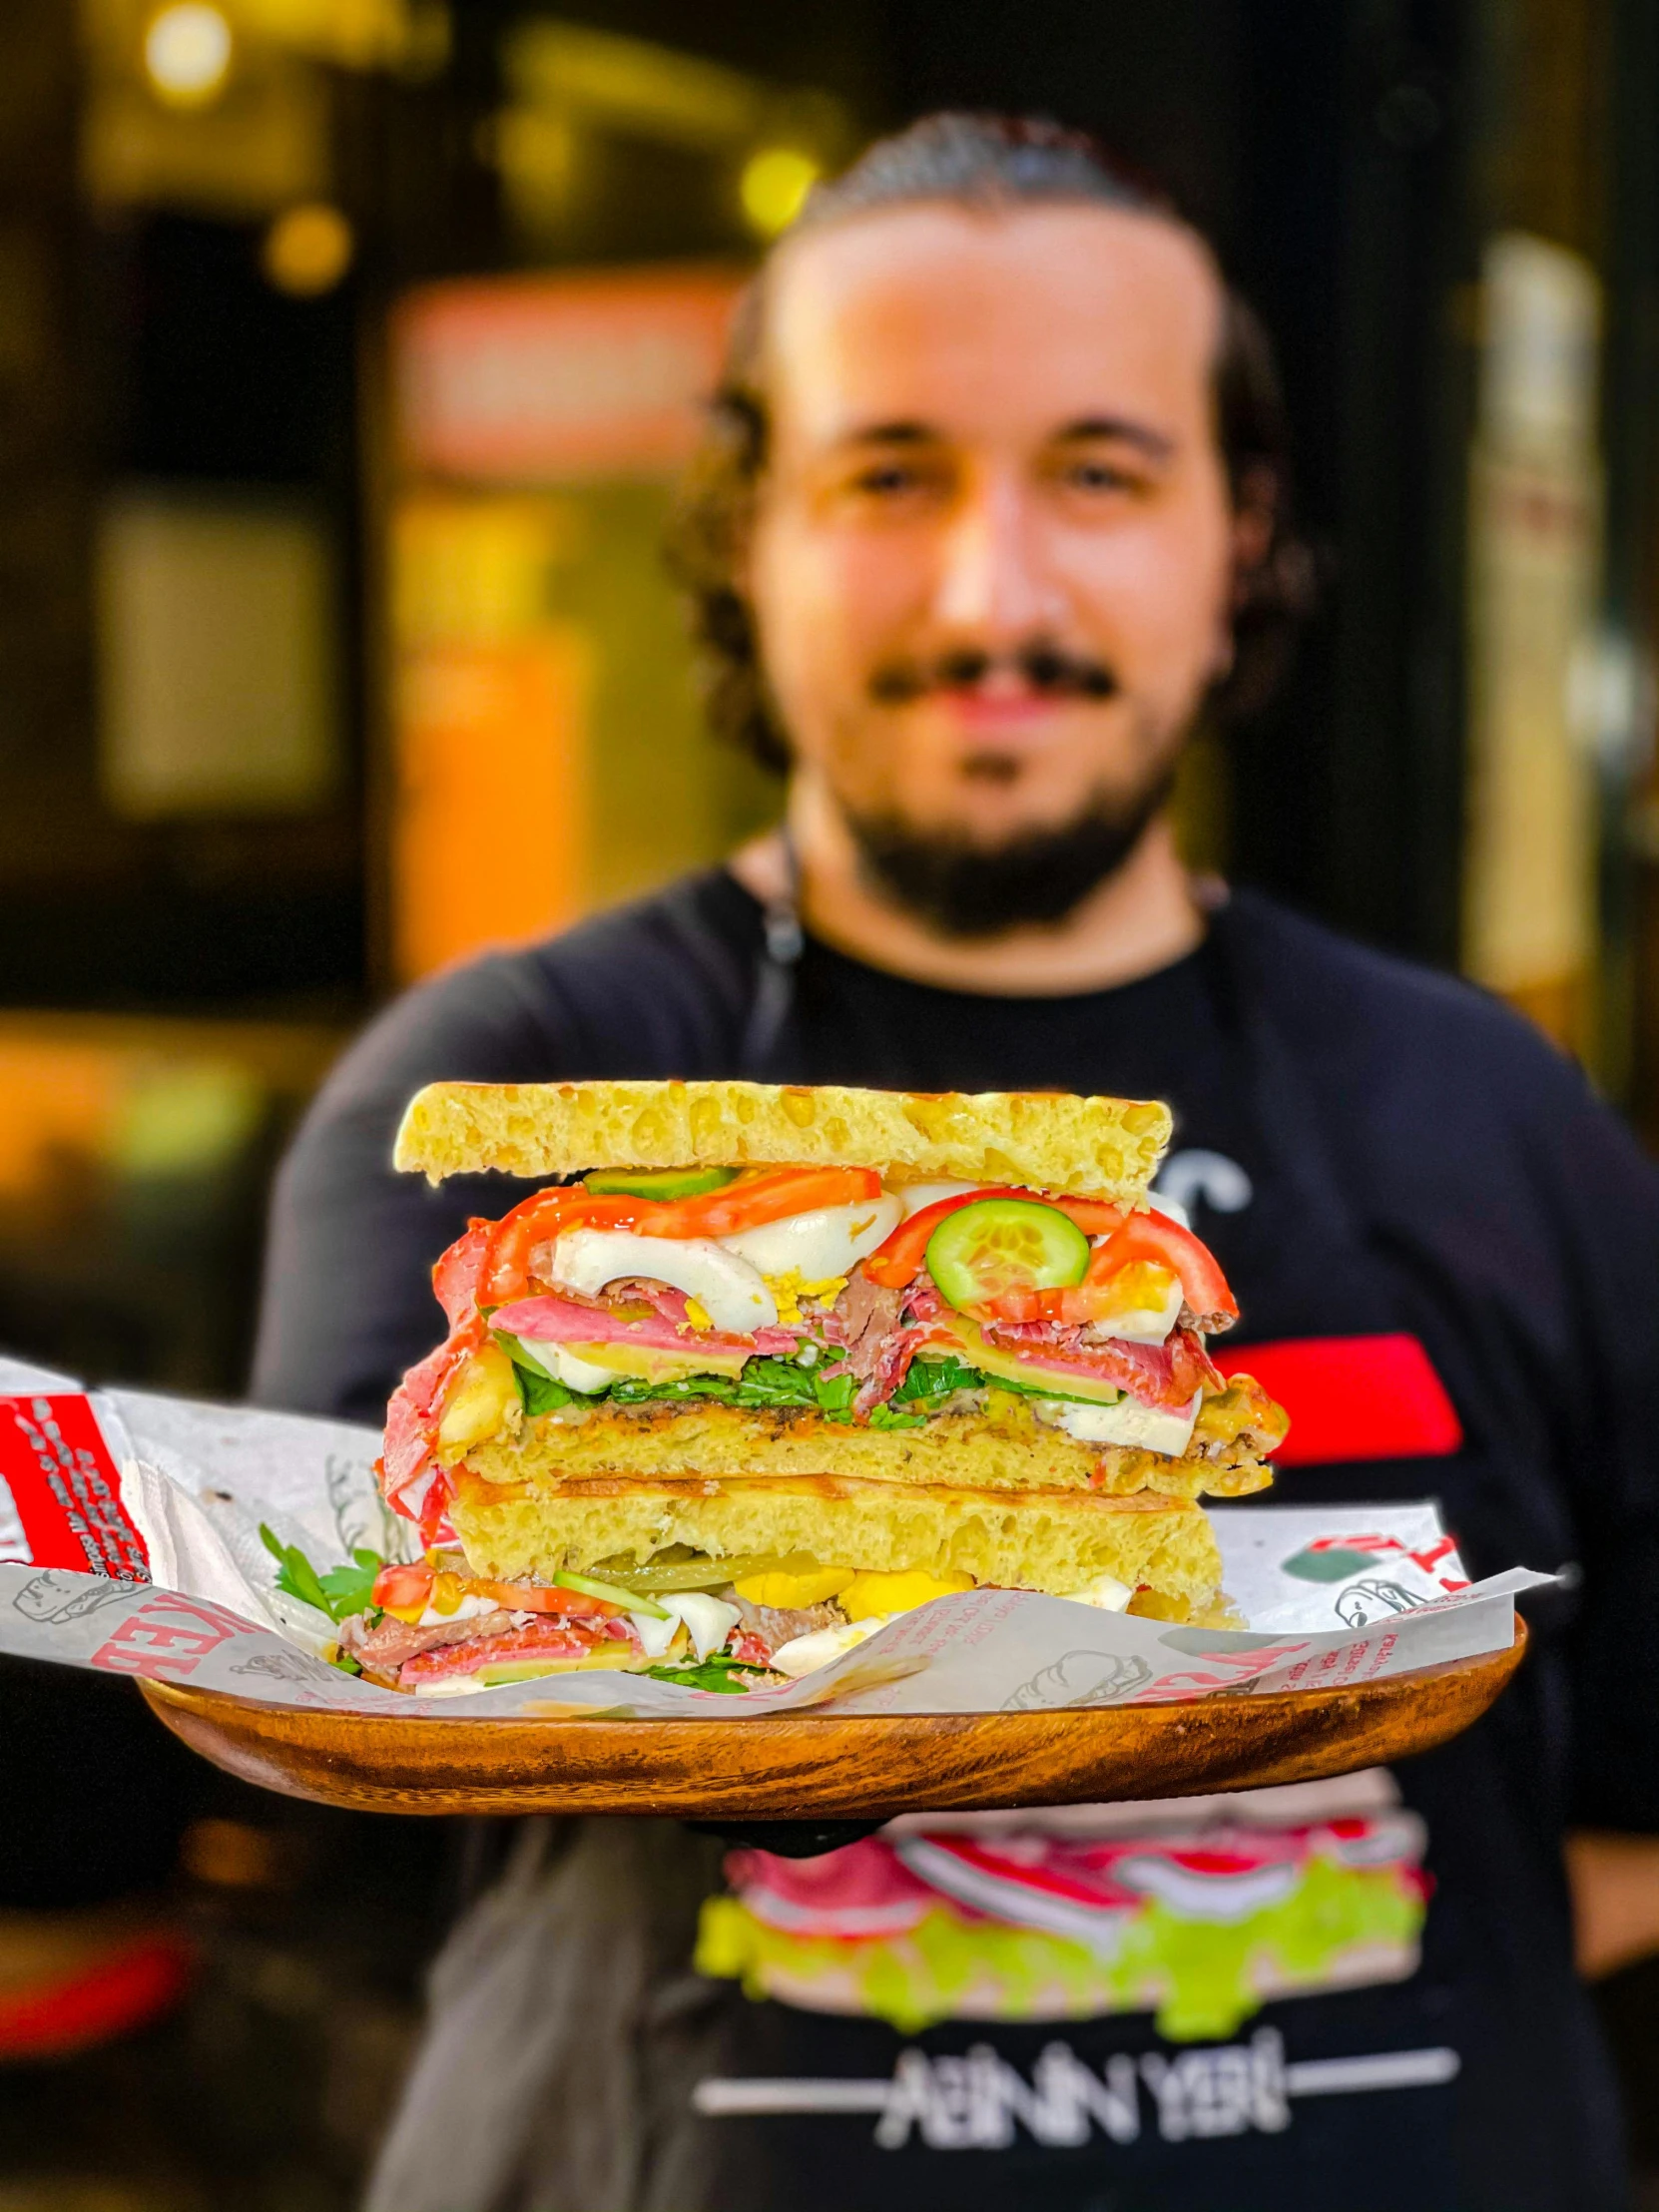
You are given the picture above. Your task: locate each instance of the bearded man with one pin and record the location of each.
(992, 516)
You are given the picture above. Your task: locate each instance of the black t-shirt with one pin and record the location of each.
(1369, 1148)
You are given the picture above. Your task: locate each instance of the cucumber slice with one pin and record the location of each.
(613, 1593)
(658, 1182)
(998, 1245)
(698, 1571)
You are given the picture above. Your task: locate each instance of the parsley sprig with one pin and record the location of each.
(339, 1593)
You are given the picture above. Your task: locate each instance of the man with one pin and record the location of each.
(992, 514)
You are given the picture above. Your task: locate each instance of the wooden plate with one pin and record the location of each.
(817, 1766)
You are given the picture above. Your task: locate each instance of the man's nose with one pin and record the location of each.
(992, 583)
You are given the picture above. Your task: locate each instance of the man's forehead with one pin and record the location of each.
(1008, 322)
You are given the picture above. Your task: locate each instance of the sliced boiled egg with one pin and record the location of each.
(1145, 1427)
(819, 1243)
(707, 1620)
(803, 1654)
(1106, 1593)
(726, 1287)
(1152, 1300)
(565, 1366)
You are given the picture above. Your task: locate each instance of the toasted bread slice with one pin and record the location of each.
(1001, 1448)
(1054, 1141)
(1052, 1540)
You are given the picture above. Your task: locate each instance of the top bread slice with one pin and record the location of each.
(1048, 1140)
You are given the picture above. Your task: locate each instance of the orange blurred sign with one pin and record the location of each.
(490, 813)
(547, 377)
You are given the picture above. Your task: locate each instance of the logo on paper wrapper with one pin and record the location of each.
(1337, 1558)
(1372, 1600)
(59, 1492)
(54, 1597)
(169, 1636)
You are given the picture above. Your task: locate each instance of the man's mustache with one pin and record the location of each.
(1044, 668)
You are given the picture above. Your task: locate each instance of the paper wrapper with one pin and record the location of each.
(129, 1543)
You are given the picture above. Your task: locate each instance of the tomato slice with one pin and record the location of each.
(1142, 1239)
(504, 1275)
(1154, 1236)
(896, 1263)
(997, 1244)
(1090, 1299)
(539, 1597)
(763, 1198)
(400, 1589)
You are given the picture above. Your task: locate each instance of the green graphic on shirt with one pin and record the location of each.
(1340, 1927)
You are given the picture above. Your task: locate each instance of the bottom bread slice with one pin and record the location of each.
(1051, 1540)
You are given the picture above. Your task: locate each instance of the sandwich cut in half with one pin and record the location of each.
(761, 1367)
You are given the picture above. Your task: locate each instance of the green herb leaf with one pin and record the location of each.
(1044, 1390)
(719, 1672)
(338, 1593)
(348, 1590)
(345, 1663)
(295, 1575)
(778, 1382)
(883, 1417)
(631, 1393)
(930, 1377)
(834, 1395)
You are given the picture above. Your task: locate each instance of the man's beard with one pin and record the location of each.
(961, 888)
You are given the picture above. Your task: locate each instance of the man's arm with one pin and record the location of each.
(348, 1299)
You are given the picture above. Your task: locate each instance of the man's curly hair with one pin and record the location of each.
(989, 163)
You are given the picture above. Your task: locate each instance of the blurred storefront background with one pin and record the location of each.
(348, 352)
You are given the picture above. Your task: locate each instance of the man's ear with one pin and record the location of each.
(1255, 517)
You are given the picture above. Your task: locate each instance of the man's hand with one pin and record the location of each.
(1615, 1900)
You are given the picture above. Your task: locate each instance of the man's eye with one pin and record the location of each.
(885, 481)
(1098, 476)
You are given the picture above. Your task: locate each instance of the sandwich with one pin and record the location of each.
(758, 1369)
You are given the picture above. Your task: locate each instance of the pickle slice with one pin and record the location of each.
(682, 1570)
(658, 1182)
(613, 1593)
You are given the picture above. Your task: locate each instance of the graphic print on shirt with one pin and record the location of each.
(1195, 1175)
(978, 2101)
(1198, 1914)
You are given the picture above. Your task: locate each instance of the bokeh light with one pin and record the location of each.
(186, 54)
(307, 250)
(774, 187)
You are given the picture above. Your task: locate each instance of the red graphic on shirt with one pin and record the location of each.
(1352, 1398)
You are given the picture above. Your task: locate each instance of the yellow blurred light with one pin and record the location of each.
(307, 250)
(775, 185)
(186, 54)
